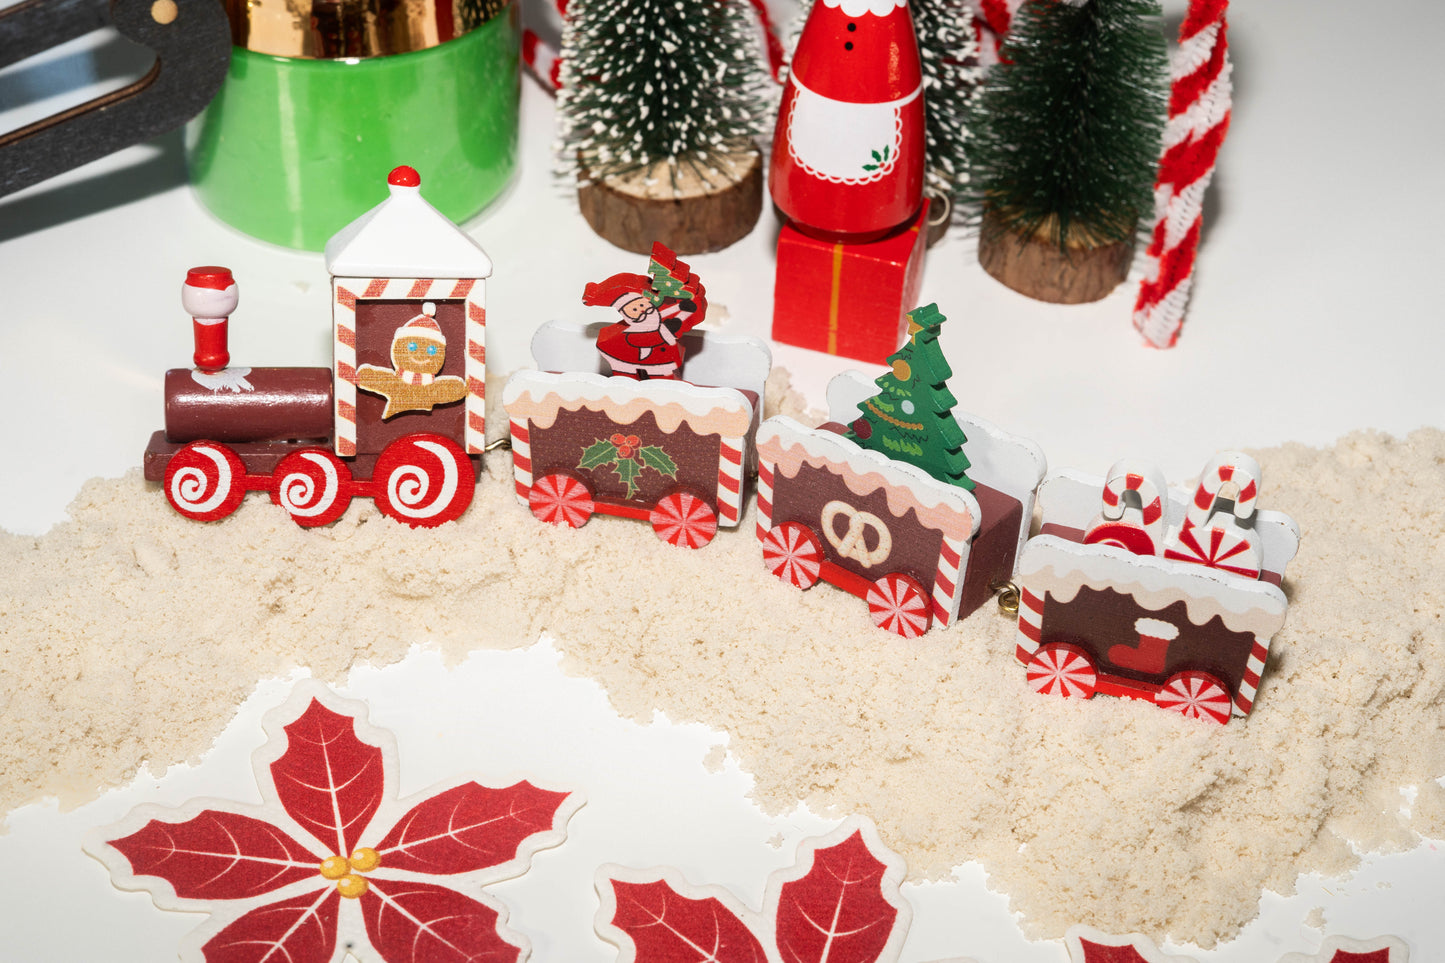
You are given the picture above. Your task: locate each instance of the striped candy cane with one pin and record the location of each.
(1199, 105)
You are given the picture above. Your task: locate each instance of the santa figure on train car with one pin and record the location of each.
(657, 308)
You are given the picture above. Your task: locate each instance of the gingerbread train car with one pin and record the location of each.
(673, 453)
(1134, 589)
(399, 417)
(921, 552)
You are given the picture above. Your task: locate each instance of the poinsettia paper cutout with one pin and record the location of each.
(332, 862)
(1340, 949)
(839, 903)
(1088, 945)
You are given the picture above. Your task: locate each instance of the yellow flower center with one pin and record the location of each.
(345, 871)
(351, 886)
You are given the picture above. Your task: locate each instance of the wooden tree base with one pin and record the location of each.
(1037, 268)
(696, 216)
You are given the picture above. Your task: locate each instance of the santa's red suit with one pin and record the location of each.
(848, 153)
(646, 343)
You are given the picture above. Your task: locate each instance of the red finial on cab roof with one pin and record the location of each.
(404, 176)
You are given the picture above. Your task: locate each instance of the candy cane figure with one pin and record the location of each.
(1212, 535)
(1132, 515)
(1199, 107)
(847, 157)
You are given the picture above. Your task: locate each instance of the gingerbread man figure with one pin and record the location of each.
(418, 351)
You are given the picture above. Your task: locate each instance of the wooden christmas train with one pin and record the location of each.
(399, 418)
(919, 509)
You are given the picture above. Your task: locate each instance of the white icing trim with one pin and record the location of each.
(1060, 568)
(857, 8)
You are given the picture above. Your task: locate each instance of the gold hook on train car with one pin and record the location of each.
(504, 443)
(1008, 598)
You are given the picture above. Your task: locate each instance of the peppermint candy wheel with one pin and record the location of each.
(313, 485)
(1195, 695)
(1064, 670)
(792, 552)
(205, 481)
(683, 519)
(423, 480)
(1222, 545)
(561, 500)
(897, 603)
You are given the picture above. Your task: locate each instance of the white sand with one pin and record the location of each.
(129, 635)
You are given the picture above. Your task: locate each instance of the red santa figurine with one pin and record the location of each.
(656, 311)
(848, 154)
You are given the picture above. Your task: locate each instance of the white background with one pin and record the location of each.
(1315, 313)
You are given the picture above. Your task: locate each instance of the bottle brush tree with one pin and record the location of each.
(951, 74)
(1066, 140)
(663, 98)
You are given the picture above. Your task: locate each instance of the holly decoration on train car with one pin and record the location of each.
(911, 417)
(628, 458)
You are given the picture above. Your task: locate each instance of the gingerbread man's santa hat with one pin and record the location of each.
(421, 326)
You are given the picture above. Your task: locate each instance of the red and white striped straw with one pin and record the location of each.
(1199, 107)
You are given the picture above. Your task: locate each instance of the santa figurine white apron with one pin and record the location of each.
(848, 152)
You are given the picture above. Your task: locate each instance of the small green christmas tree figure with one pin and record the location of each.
(648, 81)
(911, 417)
(1067, 134)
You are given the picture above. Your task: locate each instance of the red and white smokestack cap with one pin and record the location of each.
(210, 293)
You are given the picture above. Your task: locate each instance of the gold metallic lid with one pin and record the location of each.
(343, 29)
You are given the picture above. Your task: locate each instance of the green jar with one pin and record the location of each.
(293, 148)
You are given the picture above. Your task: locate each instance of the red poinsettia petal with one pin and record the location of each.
(421, 923)
(300, 930)
(218, 855)
(329, 780)
(666, 927)
(837, 912)
(469, 827)
(1103, 953)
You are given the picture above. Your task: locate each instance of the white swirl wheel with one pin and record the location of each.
(792, 552)
(313, 485)
(205, 481)
(898, 603)
(423, 480)
(1195, 695)
(1061, 669)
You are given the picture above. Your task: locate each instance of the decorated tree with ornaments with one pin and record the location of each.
(911, 417)
(659, 82)
(1066, 142)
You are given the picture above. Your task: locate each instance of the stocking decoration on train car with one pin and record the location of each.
(847, 173)
(1066, 144)
(1130, 589)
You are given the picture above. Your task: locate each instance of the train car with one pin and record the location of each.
(670, 452)
(1134, 589)
(919, 551)
(400, 416)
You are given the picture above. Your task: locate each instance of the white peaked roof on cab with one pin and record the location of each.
(405, 237)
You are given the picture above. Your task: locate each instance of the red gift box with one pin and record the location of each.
(848, 298)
